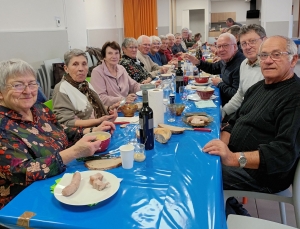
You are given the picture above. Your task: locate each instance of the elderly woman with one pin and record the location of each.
(134, 67)
(111, 80)
(154, 48)
(177, 48)
(75, 103)
(163, 52)
(33, 144)
(170, 44)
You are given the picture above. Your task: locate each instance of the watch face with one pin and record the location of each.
(242, 160)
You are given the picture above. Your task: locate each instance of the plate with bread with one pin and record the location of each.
(197, 119)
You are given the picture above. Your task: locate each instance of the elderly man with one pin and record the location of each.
(251, 37)
(260, 148)
(228, 67)
(177, 48)
(144, 44)
(230, 22)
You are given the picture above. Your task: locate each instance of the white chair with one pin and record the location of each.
(95, 61)
(282, 197)
(245, 222)
(40, 79)
(47, 86)
(49, 74)
(90, 62)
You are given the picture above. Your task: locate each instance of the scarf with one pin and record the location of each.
(92, 96)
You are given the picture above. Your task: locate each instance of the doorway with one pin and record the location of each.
(194, 20)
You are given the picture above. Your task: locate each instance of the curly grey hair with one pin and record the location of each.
(72, 53)
(129, 41)
(14, 68)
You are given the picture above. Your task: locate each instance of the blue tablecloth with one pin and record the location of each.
(177, 186)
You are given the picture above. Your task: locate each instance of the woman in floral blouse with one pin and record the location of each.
(33, 145)
(134, 67)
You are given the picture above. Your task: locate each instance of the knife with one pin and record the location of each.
(121, 123)
(198, 129)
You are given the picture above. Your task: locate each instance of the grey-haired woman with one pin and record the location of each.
(33, 145)
(75, 102)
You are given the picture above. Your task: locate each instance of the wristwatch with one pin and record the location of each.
(242, 160)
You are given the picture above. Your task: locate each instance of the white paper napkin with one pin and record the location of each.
(205, 103)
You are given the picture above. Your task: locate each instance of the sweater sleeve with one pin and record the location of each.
(63, 108)
(229, 90)
(99, 84)
(133, 85)
(212, 68)
(234, 103)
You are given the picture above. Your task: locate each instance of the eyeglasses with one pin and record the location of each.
(223, 46)
(251, 42)
(146, 45)
(275, 55)
(132, 47)
(20, 87)
(156, 43)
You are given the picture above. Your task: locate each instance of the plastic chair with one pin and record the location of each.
(245, 222)
(88, 79)
(49, 74)
(90, 62)
(282, 197)
(49, 104)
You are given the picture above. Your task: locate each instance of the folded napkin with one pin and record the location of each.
(205, 103)
(134, 119)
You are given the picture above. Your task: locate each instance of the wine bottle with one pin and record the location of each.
(146, 123)
(179, 77)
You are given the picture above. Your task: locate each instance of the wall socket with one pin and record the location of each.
(58, 22)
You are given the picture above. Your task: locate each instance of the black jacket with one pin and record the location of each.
(230, 74)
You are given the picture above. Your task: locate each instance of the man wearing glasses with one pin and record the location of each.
(260, 148)
(228, 67)
(251, 37)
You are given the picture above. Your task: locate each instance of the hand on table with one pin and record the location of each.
(105, 126)
(164, 69)
(218, 147)
(148, 80)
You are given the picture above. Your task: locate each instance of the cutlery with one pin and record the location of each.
(198, 129)
(123, 101)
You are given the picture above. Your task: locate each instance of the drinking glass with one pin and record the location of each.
(182, 93)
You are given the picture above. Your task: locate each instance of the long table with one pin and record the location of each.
(177, 186)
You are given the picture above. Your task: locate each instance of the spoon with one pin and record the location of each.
(123, 101)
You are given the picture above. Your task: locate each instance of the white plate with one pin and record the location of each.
(194, 87)
(200, 84)
(139, 93)
(86, 194)
(195, 97)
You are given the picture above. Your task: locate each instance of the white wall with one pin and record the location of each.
(240, 7)
(163, 16)
(31, 15)
(182, 5)
(197, 23)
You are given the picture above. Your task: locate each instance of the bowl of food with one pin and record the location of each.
(176, 108)
(104, 137)
(202, 79)
(128, 109)
(205, 93)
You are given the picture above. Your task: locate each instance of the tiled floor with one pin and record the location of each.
(269, 210)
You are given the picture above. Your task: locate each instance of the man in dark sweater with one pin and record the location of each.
(228, 67)
(260, 147)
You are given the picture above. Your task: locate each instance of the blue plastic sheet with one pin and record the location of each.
(177, 186)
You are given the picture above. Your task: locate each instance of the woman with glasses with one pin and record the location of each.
(33, 144)
(134, 67)
(111, 80)
(75, 102)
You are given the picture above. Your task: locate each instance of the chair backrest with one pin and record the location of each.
(88, 79)
(40, 79)
(47, 86)
(246, 222)
(49, 104)
(90, 62)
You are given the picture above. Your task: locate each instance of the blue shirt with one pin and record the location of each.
(155, 58)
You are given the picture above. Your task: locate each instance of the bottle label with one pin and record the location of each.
(150, 123)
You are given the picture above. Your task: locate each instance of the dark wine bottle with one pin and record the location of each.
(146, 123)
(179, 77)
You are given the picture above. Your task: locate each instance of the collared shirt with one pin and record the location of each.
(255, 63)
(30, 150)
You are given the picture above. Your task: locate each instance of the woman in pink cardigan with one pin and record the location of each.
(110, 80)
